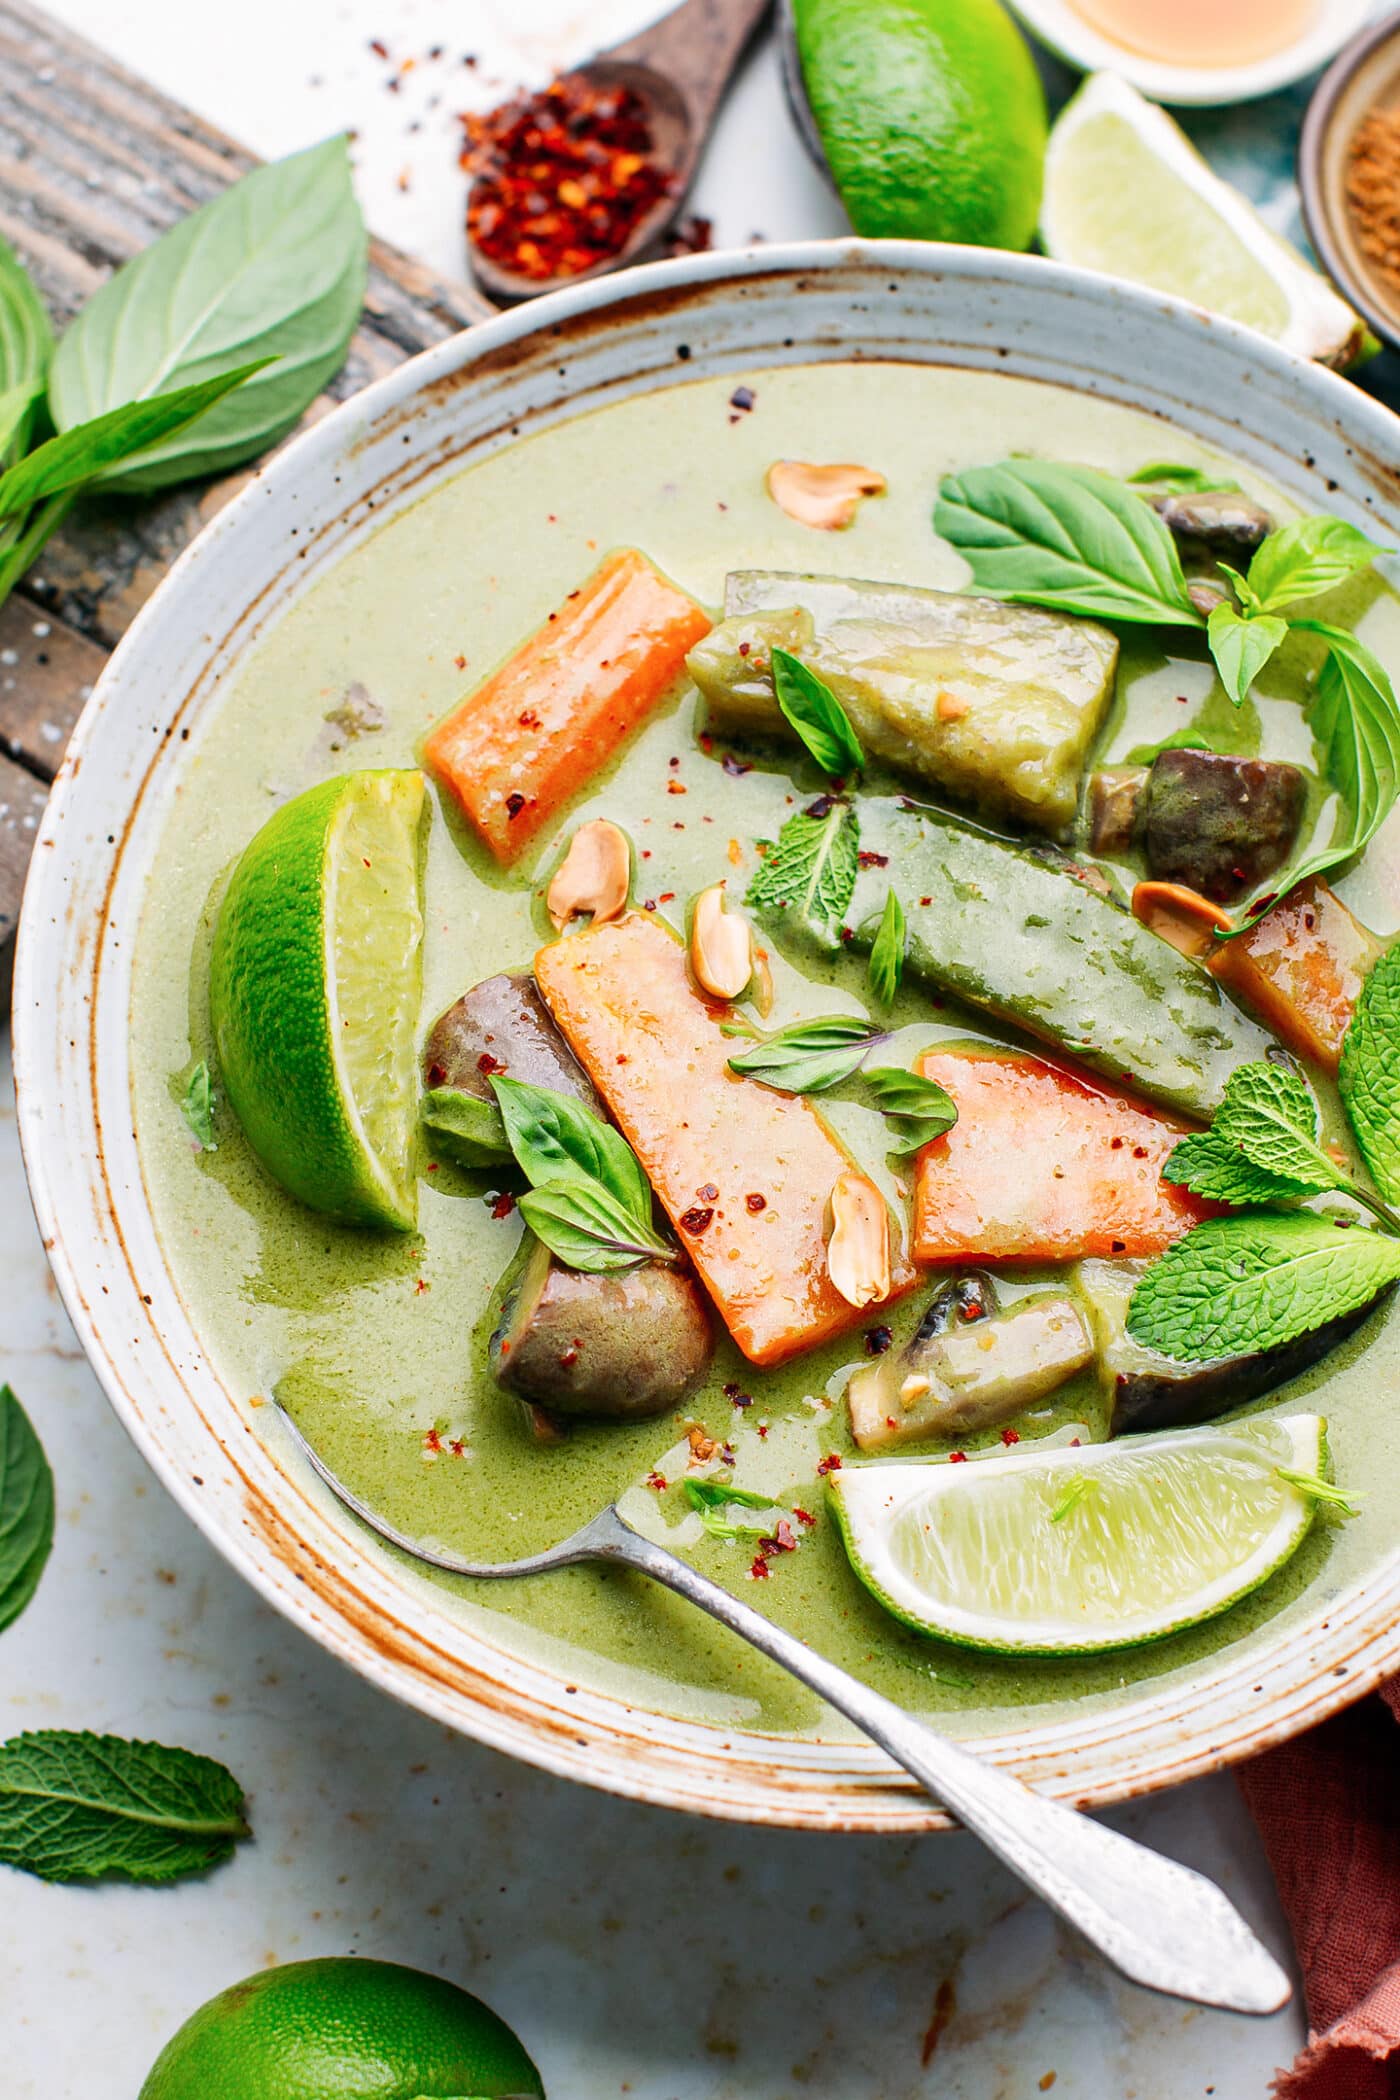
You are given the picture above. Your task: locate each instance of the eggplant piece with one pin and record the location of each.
(1148, 1391)
(1221, 825)
(969, 1365)
(1113, 809)
(620, 1345)
(1214, 521)
(500, 1025)
(995, 704)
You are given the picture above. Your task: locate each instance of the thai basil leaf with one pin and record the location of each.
(886, 964)
(918, 1109)
(198, 1107)
(75, 1806)
(26, 346)
(812, 868)
(816, 714)
(26, 1508)
(273, 268)
(1234, 1286)
(585, 1225)
(809, 1056)
(1065, 537)
(1242, 647)
(1370, 1074)
(556, 1139)
(1305, 558)
(1181, 480)
(86, 452)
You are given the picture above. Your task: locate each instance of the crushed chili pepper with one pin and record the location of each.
(735, 766)
(873, 860)
(1011, 1436)
(957, 1458)
(561, 179)
(759, 1571)
(830, 1464)
(502, 1205)
(756, 1202)
(488, 1064)
(697, 1217)
(877, 1340)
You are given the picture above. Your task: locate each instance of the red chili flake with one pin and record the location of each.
(502, 1205)
(529, 719)
(756, 1202)
(561, 178)
(461, 662)
(658, 1481)
(420, 1286)
(830, 1464)
(677, 787)
(488, 1064)
(673, 762)
(1119, 1246)
(514, 804)
(759, 1571)
(1011, 1436)
(783, 1540)
(437, 1074)
(957, 1458)
(697, 1218)
(877, 1340)
(1116, 1144)
(848, 933)
(925, 900)
(378, 47)
(432, 1441)
(569, 1357)
(744, 648)
(873, 860)
(707, 1192)
(974, 1310)
(742, 398)
(692, 235)
(822, 807)
(735, 766)
(735, 1397)
(1075, 1442)
(668, 897)
(458, 1447)
(804, 1516)
(649, 904)
(1139, 1152)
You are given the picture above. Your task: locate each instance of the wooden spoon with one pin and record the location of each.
(679, 68)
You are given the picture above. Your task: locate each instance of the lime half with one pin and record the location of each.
(314, 992)
(1066, 1551)
(1127, 193)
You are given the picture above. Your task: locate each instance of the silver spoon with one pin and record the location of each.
(1160, 1923)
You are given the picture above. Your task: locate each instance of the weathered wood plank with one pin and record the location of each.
(94, 165)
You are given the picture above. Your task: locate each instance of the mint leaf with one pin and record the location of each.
(1234, 1286)
(812, 868)
(585, 1225)
(26, 1508)
(807, 1057)
(1219, 1171)
(816, 714)
(1308, 557)
(1042, 533)
(1269, 1115)
(75, 1806)
(557, 1140)
(1370, 1074)
(1241, 647)
(198, 1107)
(886, 964)
(917, 1109)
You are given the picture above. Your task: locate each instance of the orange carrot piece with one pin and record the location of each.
(744, 1173)
(1043, 1165)
(530, 738)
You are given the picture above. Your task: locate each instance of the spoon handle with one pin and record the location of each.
(1160, 1923)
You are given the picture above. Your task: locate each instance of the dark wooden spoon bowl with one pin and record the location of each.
(679, 69)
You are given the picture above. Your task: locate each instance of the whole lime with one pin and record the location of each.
(343, 2029)
(932, 116)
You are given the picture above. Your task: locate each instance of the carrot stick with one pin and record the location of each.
(744, 1173)
(1043, 1165)
(530, 738)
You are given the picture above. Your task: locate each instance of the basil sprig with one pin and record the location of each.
(589, 1200)
(816, 714)
(192, 358)
(26, 1508)
(886, 965)
(918, 1110)
(808, 1057)
(1265, 1277)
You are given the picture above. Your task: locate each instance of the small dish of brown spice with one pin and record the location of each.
(1349, 174)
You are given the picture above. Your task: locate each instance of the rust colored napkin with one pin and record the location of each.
(1328, 1809)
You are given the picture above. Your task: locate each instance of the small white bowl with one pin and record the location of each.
(1060, 25)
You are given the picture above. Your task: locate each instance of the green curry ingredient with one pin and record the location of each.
(812, 868)
(886, 963)
(26, 1508)
(813, 710)
(76, 1807)
(1370, 1074)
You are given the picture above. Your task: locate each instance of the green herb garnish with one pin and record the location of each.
(812, 868)
(1242, 646)
(918, 1110)
(817, 715)
(587, 1228)
(713, 1499)
(809, 1056)
(886, 964)
(589, 1200)
(1182, 480)
(1370, 1074)
(197, 1107)
(76, 1806)
(26, 1508)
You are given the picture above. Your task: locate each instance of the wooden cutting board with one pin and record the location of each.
(94, 164)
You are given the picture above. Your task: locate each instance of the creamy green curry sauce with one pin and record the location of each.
(379, 1342)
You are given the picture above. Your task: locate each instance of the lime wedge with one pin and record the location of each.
(1126, 193)
(314, 990)
(1066, 1551)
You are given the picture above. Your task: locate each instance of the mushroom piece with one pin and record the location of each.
(1113, 809)
(500, 1025)
(721, 946)
(970, 1365)
(1218, 824)
(1217, 521)
(594, 876)
(1148, 1391)
(826, 498)
(622, 1344)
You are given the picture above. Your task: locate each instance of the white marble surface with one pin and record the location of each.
(638, 1952)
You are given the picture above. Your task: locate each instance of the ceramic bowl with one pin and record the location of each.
(1325, 443)
(1366, 76)
(1060, 25)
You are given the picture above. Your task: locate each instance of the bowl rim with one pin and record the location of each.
(1314, 141)
(1075, 40)
(777, 1780)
